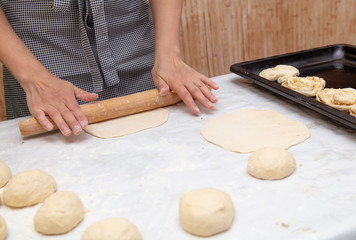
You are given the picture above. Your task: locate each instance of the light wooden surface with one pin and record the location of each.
(2, 97)
(218, 33)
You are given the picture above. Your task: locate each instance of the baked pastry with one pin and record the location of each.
(343, 99)
(308, 86)
(279, 72)
(353, 110)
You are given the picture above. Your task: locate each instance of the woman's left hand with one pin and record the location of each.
(173, 74)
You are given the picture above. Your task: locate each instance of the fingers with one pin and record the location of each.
(187, 98)
(62, 108)
(58, 119)
(162, 86)
(202, 94)
(189, 84)
(198, 89)
(41, 118)
(81, 121)
(84, 96)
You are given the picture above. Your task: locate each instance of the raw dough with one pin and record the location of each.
(3, 229)
(308, 86)
(60, 213)
(206, 212)
(112, 229)
(343, 99)
(129, 124)
(28, 188)
(248, 130)
(280, 73)
(5, 174)
(271, 163)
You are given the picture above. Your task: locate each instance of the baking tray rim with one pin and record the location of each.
(311, 103)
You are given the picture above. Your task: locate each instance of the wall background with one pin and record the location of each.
(218, 33)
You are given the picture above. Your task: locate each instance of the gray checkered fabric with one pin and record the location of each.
(100, 46)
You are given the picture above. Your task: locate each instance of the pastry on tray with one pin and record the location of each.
(279, 73)
(308, 86)
(343, 99)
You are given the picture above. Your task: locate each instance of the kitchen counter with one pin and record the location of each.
(142, 176)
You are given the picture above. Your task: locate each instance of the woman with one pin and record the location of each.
(61, 51)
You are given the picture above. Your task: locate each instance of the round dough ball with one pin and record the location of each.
(5, 174)
(28, 188)
(205, 212)
(271, 163)
(112, 229)
(60, 213)
(3, 229)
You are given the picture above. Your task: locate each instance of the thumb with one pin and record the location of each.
(84, 95)
(162, 86)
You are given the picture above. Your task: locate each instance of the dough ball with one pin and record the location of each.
(60, 213)
(28, 188)
(205, 212)
(248, 130)
(308, 86)
(280, 73)
(112, 229)
(3, 229)
(5, 174)
(342, 99)
(271, 163)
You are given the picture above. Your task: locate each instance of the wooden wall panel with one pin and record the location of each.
(2, 97)
(218, 33)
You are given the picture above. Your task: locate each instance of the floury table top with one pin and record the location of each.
(142, 176)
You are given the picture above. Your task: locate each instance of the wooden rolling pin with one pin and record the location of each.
(109, 109)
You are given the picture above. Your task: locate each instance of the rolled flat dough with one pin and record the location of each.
(129, 124)
(248, 130)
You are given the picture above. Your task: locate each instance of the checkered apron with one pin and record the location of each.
(102, 46)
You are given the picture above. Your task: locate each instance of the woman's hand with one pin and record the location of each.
(171, 73)
(46, 94)
(56, 98)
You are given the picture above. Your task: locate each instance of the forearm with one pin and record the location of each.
(167, 16)
(15, 55)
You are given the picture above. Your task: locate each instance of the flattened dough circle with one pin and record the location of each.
(129, 124)
(248, 130)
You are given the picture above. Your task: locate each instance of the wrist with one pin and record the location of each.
(31, 75)
(162, 53)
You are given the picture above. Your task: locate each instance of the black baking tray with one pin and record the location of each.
(335, 63)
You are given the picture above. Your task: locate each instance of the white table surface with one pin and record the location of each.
(142, 176)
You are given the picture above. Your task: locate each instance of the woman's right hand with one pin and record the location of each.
(47, 95)
(56, 98)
